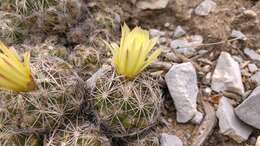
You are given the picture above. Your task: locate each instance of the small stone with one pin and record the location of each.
(167, 24)
(252, 54)
(152, 4)
(187, 45)
(250, 13)
(197, 118)
(252, 67)
(182, 84)
(179, 31)
(227, 75)
(156, 33)
(186, 51)
(202, 52)
(207, 91)
(170, 140)
(257, 141)
(204, 8)
(187, 42)
(256, 78)
(162, 40)
(206, 68)
(229, 124)
(206, 79)
(238, 34)
(248, 111)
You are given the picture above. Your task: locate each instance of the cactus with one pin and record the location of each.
(50, 16)
(79, 134)
(26, 116)
(127, 105)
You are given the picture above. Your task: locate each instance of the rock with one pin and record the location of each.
(186, 51)
(238, 34)
(252, 54)
(170, 140)
(257, 141)
(207, 78)
(248, 111)
(252, 67)
(182, 84)
(152, 4)
(229, 124)
(207, 91)
(227, 75)
(204, 8)
(250, 13)
(187, 42)
(156, 33)
(187, 45)
(256, 78)
(197, 118)
(179, 31)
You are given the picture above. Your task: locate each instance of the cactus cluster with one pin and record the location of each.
(50, 16)
(27, 116)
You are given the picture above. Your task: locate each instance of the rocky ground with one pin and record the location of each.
(209, 67)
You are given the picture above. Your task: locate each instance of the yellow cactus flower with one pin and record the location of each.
(15, 75)
(133, 55)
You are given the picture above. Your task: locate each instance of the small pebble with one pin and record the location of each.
(206, 80)
(197, 118)
(156, 33)
(238, 34)
(204, 8)
(179, 31)
(250, 13)
(252, 67)
(207, 91)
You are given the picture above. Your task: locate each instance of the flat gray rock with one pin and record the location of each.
(182, 84)
(170, 140)
(229, 124)
(252, 54)
(227, 75)
(204, 8)
(249, 110)
(187, 45)
(152, 4)
(238, 34)
(179, 31)
(252, 67)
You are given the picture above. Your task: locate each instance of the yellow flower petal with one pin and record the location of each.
(15, 75)
(131, 57)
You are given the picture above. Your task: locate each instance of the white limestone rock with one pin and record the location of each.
(182, 84)
(152, 4)
(252, 54)
(249, 110)
(227, 75)
(229, 124)
(179, 31)
(204, 8)
(170, 140)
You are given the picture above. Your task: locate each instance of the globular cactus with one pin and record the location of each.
(25, 116)
(127, 106)
(78, 134)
